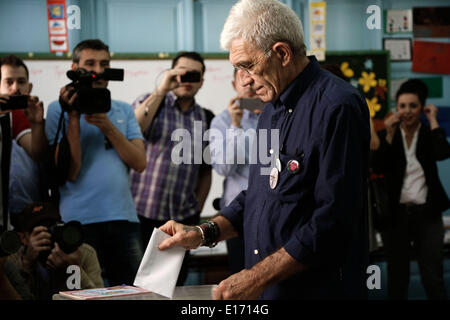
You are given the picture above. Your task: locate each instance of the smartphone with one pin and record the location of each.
(251, 104)
(15, 102)
(191, 76)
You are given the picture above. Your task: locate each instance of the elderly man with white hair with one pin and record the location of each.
(304, 224)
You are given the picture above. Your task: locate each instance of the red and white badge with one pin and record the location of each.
(293, 166)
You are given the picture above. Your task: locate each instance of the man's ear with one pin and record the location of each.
(74, 66)
(30, 87)
(284, 52)
(233, 83)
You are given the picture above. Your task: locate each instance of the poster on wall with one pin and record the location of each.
(57, 26)
(368, 72)
(431, 22)
(398, 21)
(317, 27)
(431, 57)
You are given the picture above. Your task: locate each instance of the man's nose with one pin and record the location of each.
(15, 89)
(246, 79)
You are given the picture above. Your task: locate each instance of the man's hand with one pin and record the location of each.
(39, 241)
(171, 80)
(35, 110)
(67, 97)
(186, 236)
(58, 259)
(99, 120)
(4, 99)
(239, 286)
(235, 112)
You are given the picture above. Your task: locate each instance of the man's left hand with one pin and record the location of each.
(100, 120)
(35, 110)
(58, 259)
(239, 286)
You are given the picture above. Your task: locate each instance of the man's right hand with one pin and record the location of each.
(170, 81)
(67, 99)
(235, 112)
(391, 125)
(188, 237)
(39, 241)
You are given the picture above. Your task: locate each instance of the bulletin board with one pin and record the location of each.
(369, 72)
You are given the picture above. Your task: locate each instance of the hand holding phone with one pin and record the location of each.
(250, 104)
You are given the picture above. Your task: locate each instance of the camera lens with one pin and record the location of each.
(9, 243)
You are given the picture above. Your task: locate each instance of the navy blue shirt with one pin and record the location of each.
(318, 213)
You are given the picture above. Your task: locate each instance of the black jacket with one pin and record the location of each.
(390, 160)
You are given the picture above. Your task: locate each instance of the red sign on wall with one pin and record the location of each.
(431, 57)
(57, 26)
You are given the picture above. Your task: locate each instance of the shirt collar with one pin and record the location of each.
(298, 86)
(173, 101)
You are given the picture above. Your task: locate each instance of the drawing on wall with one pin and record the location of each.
(399, 48)
(368, 72)
(399, 21)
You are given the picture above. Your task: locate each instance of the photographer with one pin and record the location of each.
(21, 120)
(42, 263)
(100, 147)
(167, 190)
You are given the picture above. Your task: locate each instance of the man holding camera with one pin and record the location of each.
(41, 261)
(21, 118)
(100, 147)
(166, 190)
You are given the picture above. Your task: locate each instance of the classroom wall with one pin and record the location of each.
(143, 26)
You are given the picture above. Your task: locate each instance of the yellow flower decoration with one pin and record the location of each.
(346, 70)
(382, 82)
(374, 106)
(367, 81)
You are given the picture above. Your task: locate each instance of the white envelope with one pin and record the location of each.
(158, 271)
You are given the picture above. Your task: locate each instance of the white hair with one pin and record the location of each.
(262, 23)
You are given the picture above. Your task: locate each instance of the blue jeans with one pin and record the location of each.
(119, 249)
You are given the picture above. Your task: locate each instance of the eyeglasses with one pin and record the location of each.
(248, 67)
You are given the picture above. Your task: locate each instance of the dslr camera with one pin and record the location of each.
(68, 235)
(91, 100)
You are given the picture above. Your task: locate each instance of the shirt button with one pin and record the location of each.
(290, 110)
(270, 151)
(256, 251)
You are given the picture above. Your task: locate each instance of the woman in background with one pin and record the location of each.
(407, 156)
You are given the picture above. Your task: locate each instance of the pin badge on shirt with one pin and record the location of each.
(293, 166)
(273, 178)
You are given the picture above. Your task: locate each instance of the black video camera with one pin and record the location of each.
(9, 243)
(69, 237)
(91, 100)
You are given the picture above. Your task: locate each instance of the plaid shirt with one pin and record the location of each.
(165, 190)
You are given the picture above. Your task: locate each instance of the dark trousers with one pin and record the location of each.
(147, 226)
(119, 249)
(415, 225)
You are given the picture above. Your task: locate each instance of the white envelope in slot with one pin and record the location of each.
(158, 271)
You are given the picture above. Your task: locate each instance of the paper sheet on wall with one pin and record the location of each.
(317, 26)
(158, 271)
